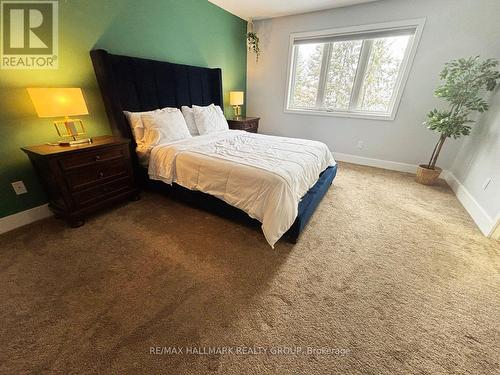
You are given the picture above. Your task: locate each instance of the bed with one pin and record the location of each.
(138, 84)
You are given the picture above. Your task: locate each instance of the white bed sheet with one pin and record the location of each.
(265, 176)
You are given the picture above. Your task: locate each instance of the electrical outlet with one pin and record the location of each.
(486, 183)
(19, 187)
(360, 144)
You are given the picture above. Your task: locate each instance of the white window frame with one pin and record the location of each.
(404, 72)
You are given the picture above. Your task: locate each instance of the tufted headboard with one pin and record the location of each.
(136, 84)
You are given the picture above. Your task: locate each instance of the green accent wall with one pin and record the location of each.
(193, 32)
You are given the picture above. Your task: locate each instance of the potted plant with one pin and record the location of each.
(464, 82)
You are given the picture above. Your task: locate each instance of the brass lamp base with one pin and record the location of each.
(71, 128)
(75, 142)
(237, 112)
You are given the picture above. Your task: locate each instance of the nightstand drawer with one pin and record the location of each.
(249, 124)
(99, 193)
(94, 157)
(243, 126)
(251, 127)
(84, 177)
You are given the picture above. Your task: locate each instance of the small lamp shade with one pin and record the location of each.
(58, 102)
(236, 97)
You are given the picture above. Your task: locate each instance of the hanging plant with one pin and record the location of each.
(253, 40)
(253, 44)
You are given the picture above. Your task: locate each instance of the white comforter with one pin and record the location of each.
(265, 176)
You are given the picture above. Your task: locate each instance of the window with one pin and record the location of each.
(357, 72)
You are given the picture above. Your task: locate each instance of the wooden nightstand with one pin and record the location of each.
(250, 124)
(82, 179)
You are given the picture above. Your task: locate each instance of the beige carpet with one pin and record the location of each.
(389, 276)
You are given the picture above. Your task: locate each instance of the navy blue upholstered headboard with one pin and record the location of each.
(136, 84)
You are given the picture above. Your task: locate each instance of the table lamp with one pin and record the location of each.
(236, 100)
(62, 102)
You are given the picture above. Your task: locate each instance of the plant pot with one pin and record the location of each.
(427, 176)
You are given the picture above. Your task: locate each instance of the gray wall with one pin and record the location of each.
(454, 28)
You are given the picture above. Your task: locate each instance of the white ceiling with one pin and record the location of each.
(247, 9)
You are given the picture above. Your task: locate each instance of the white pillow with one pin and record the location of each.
(167, 125)
(136, 125)
(209, 119)
(188, 114)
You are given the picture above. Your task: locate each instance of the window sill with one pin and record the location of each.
(367, 116)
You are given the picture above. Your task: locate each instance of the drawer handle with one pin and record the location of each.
(97, 158)
(101, 174)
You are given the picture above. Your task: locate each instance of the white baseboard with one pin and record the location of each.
(14, 221)
(378, 163)
(495, 231)
(485, 223)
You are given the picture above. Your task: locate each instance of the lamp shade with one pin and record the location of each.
(58, 102)
(236, 97)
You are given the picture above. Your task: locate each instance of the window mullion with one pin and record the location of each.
(364, 56)
(320, 97)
